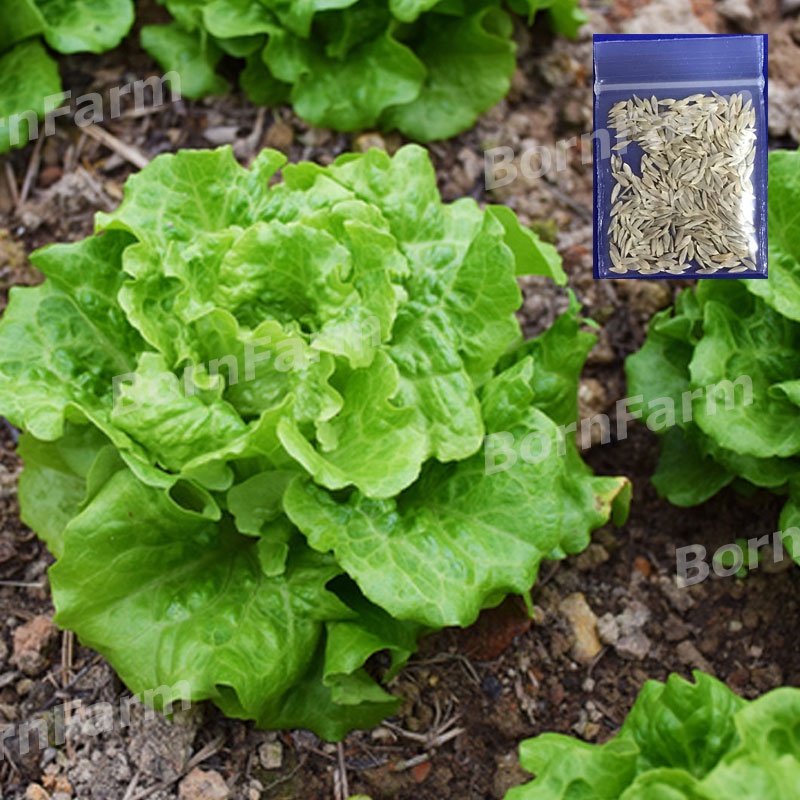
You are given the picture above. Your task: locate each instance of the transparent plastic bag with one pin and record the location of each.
(680, 156)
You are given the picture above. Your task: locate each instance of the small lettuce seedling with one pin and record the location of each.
(424, 67)
(255, 412)
(681, 741)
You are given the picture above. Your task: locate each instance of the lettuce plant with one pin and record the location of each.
(254, 415)
(424, 67)
(742, 337)
(681, 741)
(28, 74)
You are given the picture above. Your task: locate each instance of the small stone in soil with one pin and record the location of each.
(203, 785)
(608, 629)
(270, 754)
(32, 641)
(633, 646)
(583, 622)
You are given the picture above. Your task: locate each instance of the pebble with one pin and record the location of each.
(221, 134)
(383, 735)
(279, 136)
(270, 754)
(591, 558)
(675, 629)
(666, 16)
(49, 175)
(642, 566)
(36, 792)
(634, 646)
(583, 623)
(608, 629)
(737, 11)
(692, 657)
(203, 785)
(31, 644)
(635, 616)
(680, 599)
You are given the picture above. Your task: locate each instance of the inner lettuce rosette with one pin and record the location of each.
(254, 411)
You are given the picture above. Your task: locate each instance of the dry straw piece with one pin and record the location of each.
(693, 203)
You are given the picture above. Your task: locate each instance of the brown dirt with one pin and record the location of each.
(499, 682)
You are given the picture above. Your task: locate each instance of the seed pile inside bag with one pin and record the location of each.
(692, 203)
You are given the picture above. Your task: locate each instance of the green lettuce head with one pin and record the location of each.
(681, 741)
(427, 68)
(726, 358)
(255, 413)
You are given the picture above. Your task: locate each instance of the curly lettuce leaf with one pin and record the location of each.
(193, 55)
(25, 21)
(324, 88)
(28, 75)
(53, 484)
(747, 351)
(686, 475)
(85, 26)
(436, 280)
(492, 531)
(197, 609)
(71, 337)
(468, 64)
(790, 523)
(782, 290)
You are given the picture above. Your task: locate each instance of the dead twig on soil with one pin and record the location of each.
(22, 584)
(251, 142)
(466, 664)
(341, 787)
(595, 661)
(132, 785)
(128, 152)
(32, 171)
(11, 179)
(67, 655)
(441, 732)
(61, 694)
(10, 761)
(145, 111)
(410, 763)
(431, 742)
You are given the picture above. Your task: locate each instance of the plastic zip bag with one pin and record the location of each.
(680, 156)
